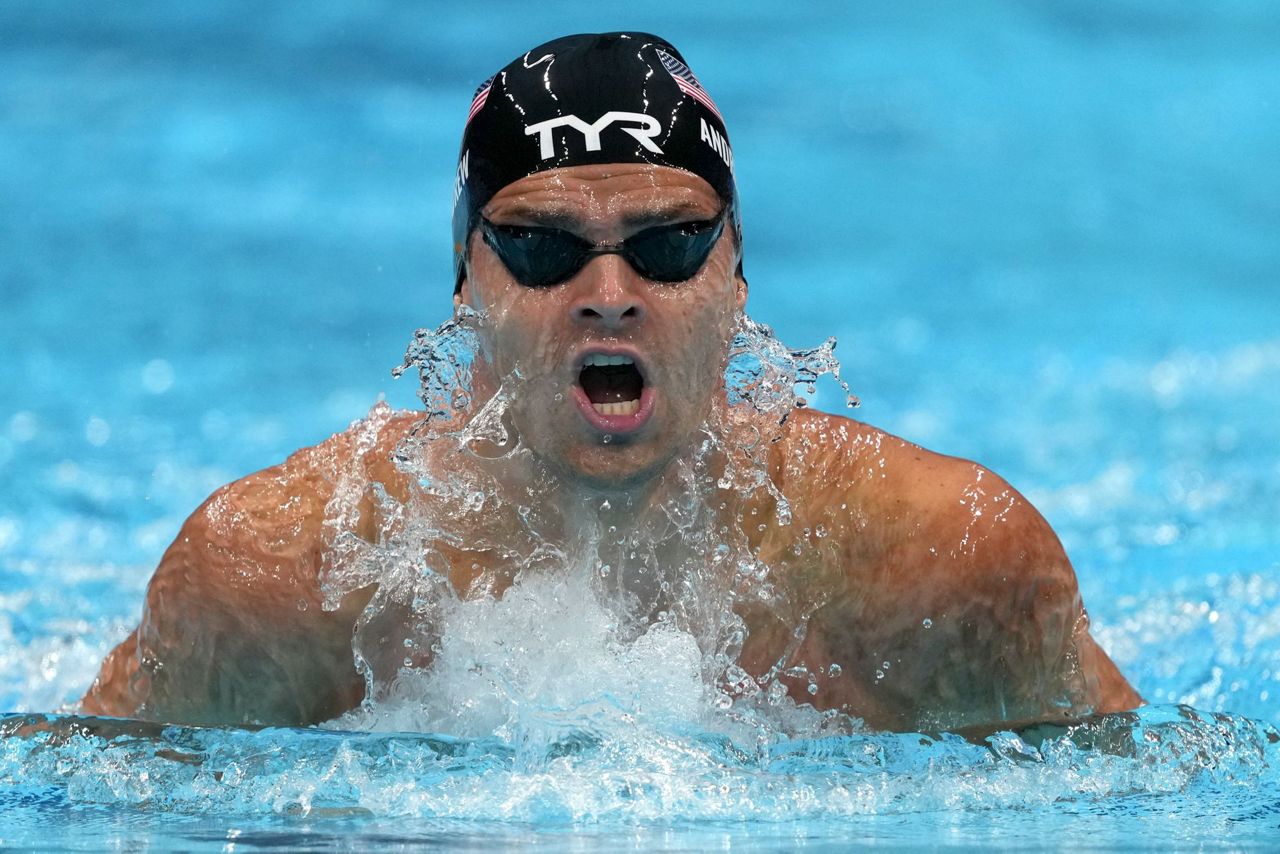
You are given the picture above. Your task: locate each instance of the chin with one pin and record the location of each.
(618, 468)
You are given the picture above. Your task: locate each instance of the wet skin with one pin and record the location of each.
(930, 563)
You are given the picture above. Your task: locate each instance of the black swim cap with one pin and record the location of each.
(590, 98)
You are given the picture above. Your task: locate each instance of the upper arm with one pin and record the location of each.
(1014, 631)
(954, 579)
(233, 628)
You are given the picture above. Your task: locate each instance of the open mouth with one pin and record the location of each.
(613, 384)
(612, 394)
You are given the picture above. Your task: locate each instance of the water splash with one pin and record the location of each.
(764, 373)
(443, 359)
(1194, 762)
(587, 679)
(501, 602)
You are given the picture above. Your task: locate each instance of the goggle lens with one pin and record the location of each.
(542, 256)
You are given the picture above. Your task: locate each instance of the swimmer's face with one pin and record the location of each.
(557, 349)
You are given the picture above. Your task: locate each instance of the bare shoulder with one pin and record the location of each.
(233, 629)
(951, 575)
(912, 504)
(282, 507)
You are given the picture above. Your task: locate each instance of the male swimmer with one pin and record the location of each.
(597, 237)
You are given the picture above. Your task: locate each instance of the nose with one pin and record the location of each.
(608, 295)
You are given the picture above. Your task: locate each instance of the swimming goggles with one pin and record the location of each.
(541, 256)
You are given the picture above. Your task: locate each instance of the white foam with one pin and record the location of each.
(547, 655)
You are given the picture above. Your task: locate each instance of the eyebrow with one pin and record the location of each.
(667, 212)
(558, 217)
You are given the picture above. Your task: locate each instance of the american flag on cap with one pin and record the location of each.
(482, 95)
(687, 82)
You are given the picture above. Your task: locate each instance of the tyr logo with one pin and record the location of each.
(644, 134)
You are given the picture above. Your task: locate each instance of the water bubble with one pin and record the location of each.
(834, 670)
(927, 623)
(157, 376)
(813, 688)
(97, 432)
(23, 426)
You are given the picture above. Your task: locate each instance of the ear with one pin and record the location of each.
(463, 295)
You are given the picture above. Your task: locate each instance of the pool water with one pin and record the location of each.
(1044, 235)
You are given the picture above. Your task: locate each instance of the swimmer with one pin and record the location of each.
(598, 235)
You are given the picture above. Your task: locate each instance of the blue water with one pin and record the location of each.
(1045, 235)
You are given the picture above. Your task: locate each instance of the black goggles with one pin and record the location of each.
(541, 256)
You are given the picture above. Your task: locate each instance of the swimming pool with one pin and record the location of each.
(1044, 235)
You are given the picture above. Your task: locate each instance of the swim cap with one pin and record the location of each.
(589, 98)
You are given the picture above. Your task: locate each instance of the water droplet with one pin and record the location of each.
(157, 376)
(606, 438)
(884, 665)
(97, 432)
(813, 688)
(927, 623)
(879, 675)
(302, 604)
(834, 670)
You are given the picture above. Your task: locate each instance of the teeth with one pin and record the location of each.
(626, 407)
(601, 360)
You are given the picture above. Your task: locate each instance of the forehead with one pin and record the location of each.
(605, 193)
